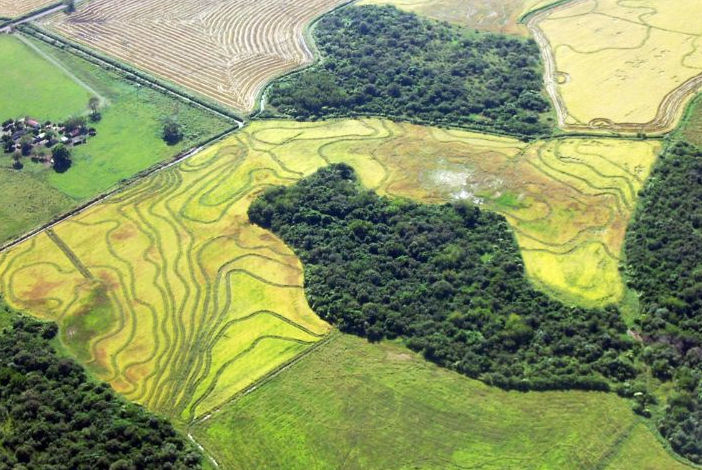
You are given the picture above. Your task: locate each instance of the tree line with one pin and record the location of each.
(383, 61)
(449, 279)
(55, 417)
(664, 265)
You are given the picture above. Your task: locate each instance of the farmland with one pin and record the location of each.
(47, 83)
(500, 16)
(15, 8)
(621, 66)
(168, 293)
(47, 92)
(225, 51)
(368, 406)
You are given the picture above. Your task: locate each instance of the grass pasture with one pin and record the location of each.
(47, 83)
(354, 405)
(628, 66)
(500, 16)
(224, 51)
(33, 86)
(15, 8)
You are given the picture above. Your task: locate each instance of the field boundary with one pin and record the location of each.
(121, 186)
(132, 73)
(8, 22)
(670, 109)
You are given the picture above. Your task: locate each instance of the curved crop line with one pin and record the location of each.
(236, 358)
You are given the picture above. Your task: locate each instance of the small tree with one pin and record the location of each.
(70, 5)
(16, 163)
(62, 158)
(94, 107)
(26, 144)
(8, 144)
(73, 123)
(172, 132)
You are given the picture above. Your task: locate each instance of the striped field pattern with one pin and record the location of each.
(226, 50)
(15, 8)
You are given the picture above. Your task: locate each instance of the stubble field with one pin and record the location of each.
(225, 51)
(15, 8)
(500, 16)
(625, 66)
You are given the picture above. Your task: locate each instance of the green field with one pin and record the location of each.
(128, 135)
(354, 405)
(691, 128)
(33, 86)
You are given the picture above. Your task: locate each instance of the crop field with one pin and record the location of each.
(691, 129)
(354, 405)
(625, 66)
(225, 51)
(167, 292)
(500, 16)
(47, 83)
(15, 8)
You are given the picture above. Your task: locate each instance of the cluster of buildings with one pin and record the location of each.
(25, 135)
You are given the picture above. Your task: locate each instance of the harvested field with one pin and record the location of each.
(15, 8)
(355, 405)
(224, 50)
(618, 65)
(500, 16)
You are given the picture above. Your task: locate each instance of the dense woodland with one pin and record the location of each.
(449, 279)
(54, 417)
(664, 253)
(382, 61)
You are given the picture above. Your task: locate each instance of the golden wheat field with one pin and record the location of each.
(488, 15)
(15, 8)
(623, 65)
(167, 292)
(224, 50)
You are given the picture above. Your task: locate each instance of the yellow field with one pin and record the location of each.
(488, 15)
(622, 65)
(226, 51)
(15, 8)
(168, 293)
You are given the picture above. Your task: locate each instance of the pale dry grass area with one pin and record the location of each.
(624, 65)
(224, 50)
(15, 8)
(487, 15)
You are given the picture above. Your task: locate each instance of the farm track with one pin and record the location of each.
(225, 51)
(668, 112)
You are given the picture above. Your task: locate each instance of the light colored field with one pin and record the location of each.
(488, 15)
(224, 50)
(354, 405)
(15, 8)
(621, 65)
(168, 292)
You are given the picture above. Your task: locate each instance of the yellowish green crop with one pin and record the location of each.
(169, 293)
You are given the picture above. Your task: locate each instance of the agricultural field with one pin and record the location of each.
(167, 292)
(357, 405)
(499, 16)
(45, 90)
(15, 8)
(622, 66)
(691, 129)
(47, 83)
(225, 51)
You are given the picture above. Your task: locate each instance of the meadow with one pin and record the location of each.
(355, 405)
(15, 8)
(621, 66)
(225, 51)
(47, 83)
(499, 16)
